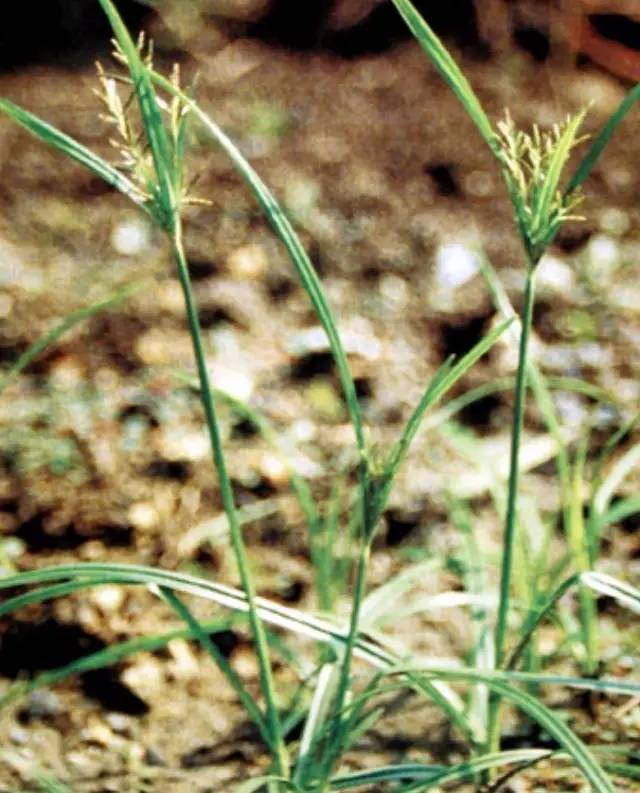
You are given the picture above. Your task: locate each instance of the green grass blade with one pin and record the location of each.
(383, 600)
(612, 442)
(620, 511)
(540, 389)
(107, 657)
(286, 233)
(542, 210)
(59, 329)
(234, 680)
(99, 573)
(265, 783)
(75, 151)
(602, 139)
(91, 574)
(604, 584)
(599, 582)
(448, 68)
(150, 113)
(446, 377)
(619, 472)
(430, 776)
(48, 784)
(475, 580)
(536, 710)
(321, 702)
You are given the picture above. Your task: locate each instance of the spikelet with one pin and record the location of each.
(532, 164)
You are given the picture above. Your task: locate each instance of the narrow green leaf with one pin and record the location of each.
(550, 188)
(605, 584)
(616, 476)
(321, 702)
(286, 233)
(264, 783)
(108, 657)
(448, 68)
(59, 329)
(604, 136)
(539, 712)
(91, 574)
(599, 582)
(48, 784)
(75, 151)
(432, 775)
(221, 662)
(620, 511)
(383, 600)
(149, 112)
(446, 377)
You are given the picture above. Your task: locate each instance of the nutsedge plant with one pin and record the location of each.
(148, 114)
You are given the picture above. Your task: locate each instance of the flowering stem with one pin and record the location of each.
(512, 502)
(278, 748)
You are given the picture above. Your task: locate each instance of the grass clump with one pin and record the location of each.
(334, 707)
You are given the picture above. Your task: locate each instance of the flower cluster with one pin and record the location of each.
(130, 138)
(532, 164)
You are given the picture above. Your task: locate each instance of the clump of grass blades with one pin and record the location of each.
(151, 174)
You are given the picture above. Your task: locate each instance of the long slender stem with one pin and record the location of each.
(337, 738)
(580, 551)
(512, 499)
(226, 491)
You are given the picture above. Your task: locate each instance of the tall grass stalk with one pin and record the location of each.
(532, 166)
(226, 492)
(511, 516)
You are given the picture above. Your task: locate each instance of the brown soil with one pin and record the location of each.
(103, 448)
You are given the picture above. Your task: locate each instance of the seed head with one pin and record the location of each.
(532, 164)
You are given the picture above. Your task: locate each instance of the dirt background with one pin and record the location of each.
(103, 451)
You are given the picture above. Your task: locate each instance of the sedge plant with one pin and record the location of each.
(152, 175)
(532, 165)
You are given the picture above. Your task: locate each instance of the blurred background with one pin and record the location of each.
(103, 452)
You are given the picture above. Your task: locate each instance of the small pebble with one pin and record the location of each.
(6, 304)
(603, 251)
(99, 733)
(108, 598)
(274, 470)
(394, 291)
(301, 196)
(119, 723)
(153, 758)
(455, 265)
(303, 430)
(555, 274)
(18, 735)
(142, 515)
(244, 663)
(571, 408)
(187, 444)
(479, 184)
(43, 704)
(235, 383)
(615, 221)
(131, 237)
(170, 297)
(184, 663)
(249, 262)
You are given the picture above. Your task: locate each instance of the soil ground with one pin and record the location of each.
(103, 445)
